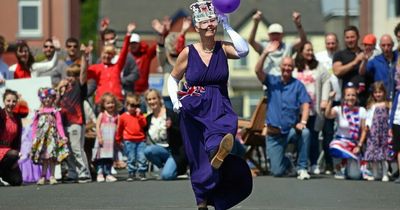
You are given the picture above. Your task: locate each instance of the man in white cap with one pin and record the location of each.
(275, 34)
(130, 71)
(143, 54)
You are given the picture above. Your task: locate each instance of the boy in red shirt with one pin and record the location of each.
(130, 132)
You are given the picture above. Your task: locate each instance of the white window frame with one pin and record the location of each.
(30, 32)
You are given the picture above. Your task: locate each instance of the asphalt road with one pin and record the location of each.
(319, 193)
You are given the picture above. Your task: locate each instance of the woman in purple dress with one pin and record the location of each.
(207, 120)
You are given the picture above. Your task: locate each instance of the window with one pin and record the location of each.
(393, 8)
(30, 18)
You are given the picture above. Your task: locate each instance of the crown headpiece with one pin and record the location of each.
(202, 10)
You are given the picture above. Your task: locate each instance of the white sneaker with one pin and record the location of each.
(315, 169)
(111, 178)
(339, 175)
(113, 171)
(303, 174)
(385, 178)
(367, 175)
(100, 178)
(2, 182)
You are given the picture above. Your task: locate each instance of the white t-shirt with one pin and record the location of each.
(343, 128)
(326, 60)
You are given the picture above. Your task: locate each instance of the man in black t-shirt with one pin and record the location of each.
(346, 63)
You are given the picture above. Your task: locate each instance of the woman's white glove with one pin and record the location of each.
(240, 44)
(172, 86)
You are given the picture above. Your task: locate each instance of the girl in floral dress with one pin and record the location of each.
(49, 145)
(376, 131)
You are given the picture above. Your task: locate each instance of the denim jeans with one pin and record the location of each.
(276, 146)
(137, 162)
(162, 158)
(104, 166)
(352, 168)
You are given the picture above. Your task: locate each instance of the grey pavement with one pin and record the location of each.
(319, 193)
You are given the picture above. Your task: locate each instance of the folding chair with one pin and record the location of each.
(253, 134)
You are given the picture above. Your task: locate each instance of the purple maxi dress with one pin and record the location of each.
(206, 116)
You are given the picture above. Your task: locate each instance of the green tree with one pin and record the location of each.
(89, 17)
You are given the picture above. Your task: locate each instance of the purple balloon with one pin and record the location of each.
(226, 6)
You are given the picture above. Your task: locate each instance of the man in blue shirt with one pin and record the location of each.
(382, 67)
(287, 100)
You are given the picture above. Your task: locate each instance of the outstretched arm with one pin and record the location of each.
(296, 16)
(239, 47)
(84, 62)
(256, 20)
(329, 112)
(125, 47)
(45, 66)
(260, 63)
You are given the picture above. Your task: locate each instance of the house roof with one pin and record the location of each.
(143, 12)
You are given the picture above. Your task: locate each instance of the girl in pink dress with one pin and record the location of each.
(106, 126)
(49, 141)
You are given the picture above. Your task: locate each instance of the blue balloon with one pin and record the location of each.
(226, 6)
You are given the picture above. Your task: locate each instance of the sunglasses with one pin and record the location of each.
(134, 105)
(72, 46)
(48, 46)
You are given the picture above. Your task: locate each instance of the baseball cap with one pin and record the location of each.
(369, 39)
(275, 28)
(134, 37)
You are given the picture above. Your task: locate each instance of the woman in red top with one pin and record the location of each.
(106, 74)
(26, 66)
(10, 137)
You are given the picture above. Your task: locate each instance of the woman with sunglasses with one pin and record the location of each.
(26, 66)
(208, 123)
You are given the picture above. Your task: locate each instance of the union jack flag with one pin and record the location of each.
(191, 91)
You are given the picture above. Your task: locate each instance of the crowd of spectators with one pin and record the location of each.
(347, 98)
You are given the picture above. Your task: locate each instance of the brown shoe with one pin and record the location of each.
(225, 147)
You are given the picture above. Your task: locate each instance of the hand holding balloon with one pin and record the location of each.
(223, 19)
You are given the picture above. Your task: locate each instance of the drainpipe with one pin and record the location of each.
(50, 19)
